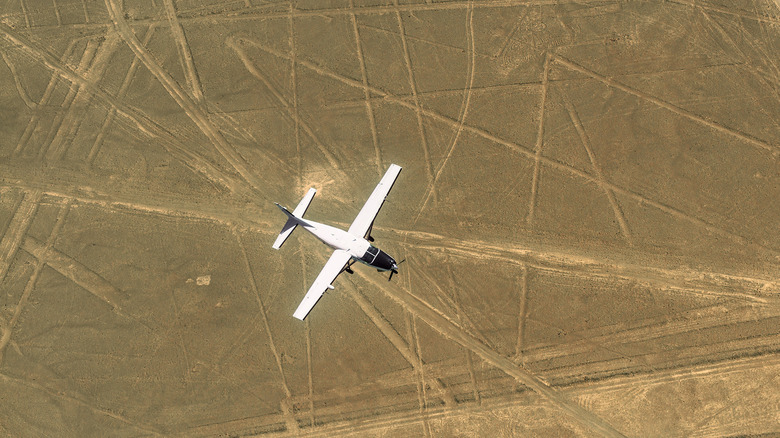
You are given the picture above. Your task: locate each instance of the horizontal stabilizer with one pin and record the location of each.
(304, 204)
(288, 228)
(293, 219)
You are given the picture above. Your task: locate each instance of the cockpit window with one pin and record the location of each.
(370, 254)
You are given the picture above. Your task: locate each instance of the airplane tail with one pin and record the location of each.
(294, 218)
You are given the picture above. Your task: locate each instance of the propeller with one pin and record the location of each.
(394, 271)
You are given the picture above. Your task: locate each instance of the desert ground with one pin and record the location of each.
(588, 213)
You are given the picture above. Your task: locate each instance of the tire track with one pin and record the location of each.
(647, 332)
(79, 401)
(398, 384)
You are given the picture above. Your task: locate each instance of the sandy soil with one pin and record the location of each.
(588, 212)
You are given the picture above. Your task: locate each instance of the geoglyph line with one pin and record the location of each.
(597, 170)
(642, 199)
(17, 228)
(415, 306)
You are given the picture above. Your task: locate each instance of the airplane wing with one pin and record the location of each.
(371, 208)
(332, 269)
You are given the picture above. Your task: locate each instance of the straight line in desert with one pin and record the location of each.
(292, 113)
(462, 317)
(757, 290)
(396, 340)
(17, 81)
(719, 284)
(727, 11)
(76, 111)
(44, 101)
(28, 288)
(597, 170)
(366, 95)
(140, 120)
(426, 41)
(295, 108)
(286, 406)
(17, 228)
(64, 184)
(463, 113)
(81, 68)
(78, 400)
(539, 141)
(753, 141)
(416, 106)
(194, 111)
(522, 313)
(121, 94)
(422, 393)
(74, 271)
(383, 9)
(672, 211)
(453, 332)
(185, 54)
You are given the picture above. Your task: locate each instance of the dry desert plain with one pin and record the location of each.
(588, 211)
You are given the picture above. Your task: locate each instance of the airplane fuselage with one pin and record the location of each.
(359, 248)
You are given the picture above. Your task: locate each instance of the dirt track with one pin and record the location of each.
(587, 211)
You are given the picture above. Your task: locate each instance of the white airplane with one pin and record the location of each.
(350, 246)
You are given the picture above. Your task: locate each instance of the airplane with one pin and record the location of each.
(349, 246)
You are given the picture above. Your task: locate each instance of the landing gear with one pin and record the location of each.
(369, 237)
(348, 268)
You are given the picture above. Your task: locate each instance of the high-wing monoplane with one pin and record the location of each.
(349, 246)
